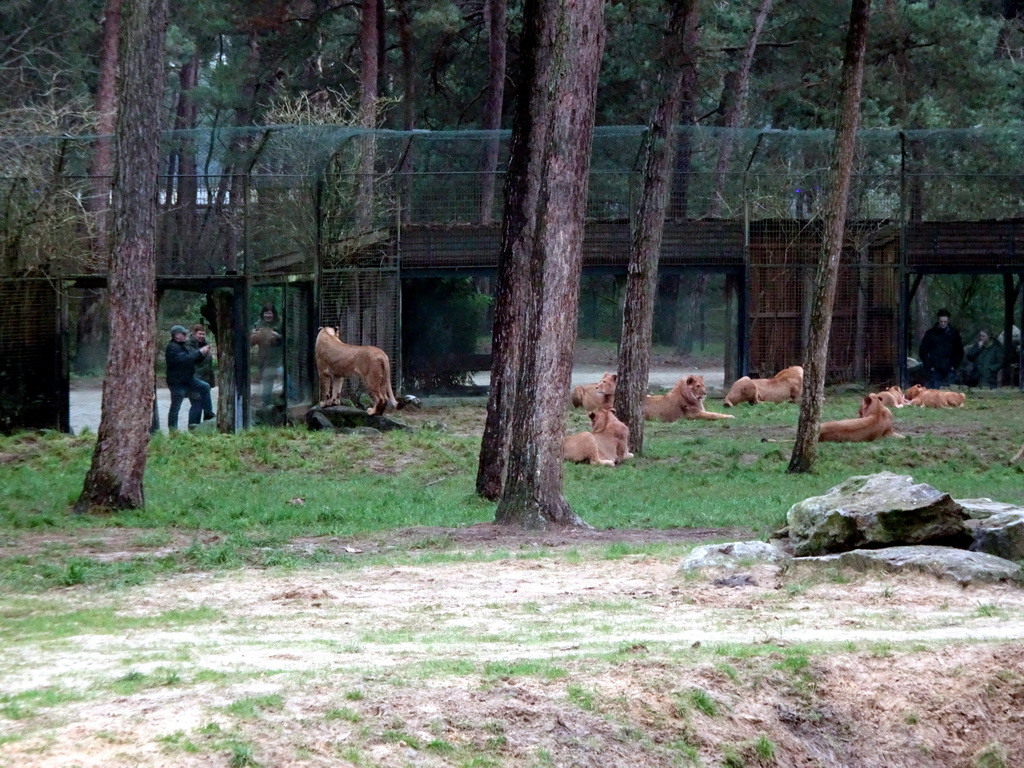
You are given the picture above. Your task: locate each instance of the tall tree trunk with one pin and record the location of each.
(691, 315)
(89, 327)
(368, 85)
(546, 196)
(186, 212)
(221, 304)
(114, 480)
(495, 19)
(840, 172)
(408, 110)
(730, 355)
(645, 248)
(734, 107)
(690, 94)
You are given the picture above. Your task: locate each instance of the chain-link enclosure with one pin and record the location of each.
(297, 210)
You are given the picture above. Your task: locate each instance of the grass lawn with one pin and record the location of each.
(306, 598)
(245, 497)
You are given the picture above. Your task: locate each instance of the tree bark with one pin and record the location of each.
(734, 107)
(546, 198)
(114, 479)
(687, 119)
(826, 276)
(368, 84)
(495, 19)
(645, 248)
(409, 97)
(89, 327)
(223, 310)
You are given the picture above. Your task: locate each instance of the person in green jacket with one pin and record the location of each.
(985, 358)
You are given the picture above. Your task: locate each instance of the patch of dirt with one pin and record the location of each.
(114, 544)
(589, 352)
(570, 659)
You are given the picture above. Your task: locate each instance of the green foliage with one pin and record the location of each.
(242, 755)
(994, 755)
(26, 704)
(581, 697)
(703, 701)
(251, 707)
(501, 670)
(441, 318)
(764, 748)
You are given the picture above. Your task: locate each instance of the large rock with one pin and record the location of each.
(870, 511)
(732, 555)
(1001, 534)
(342, 417)
(979, 509)
(944, 562)
(995, 527)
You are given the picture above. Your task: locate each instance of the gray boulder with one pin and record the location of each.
(944, 562)
(733, 554)
(341, 417)
(870, 511)
(1001, 534)
(979, 509)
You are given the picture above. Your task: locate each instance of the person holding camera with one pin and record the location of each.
(183, 382)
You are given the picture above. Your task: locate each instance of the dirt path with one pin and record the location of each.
(533, 651)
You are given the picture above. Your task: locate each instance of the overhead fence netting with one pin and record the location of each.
(261, 200)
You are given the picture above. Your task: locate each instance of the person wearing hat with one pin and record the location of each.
(182, 380)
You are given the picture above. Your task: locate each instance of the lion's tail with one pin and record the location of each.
(389, 393)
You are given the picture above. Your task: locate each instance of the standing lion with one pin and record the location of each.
(336, 361)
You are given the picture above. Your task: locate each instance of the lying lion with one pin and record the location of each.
(935, 398)
(593, 397)
(607, 444)
(785, 386)
(609, 430)
(336, 361)
(893, 397)
(685, 401)
(873, 421)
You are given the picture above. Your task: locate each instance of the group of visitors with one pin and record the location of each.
(946, 361)
(189, 375)
(190, 367)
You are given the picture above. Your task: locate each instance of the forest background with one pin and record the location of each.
(443, 65)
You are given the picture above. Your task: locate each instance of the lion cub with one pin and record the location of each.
(607, 444)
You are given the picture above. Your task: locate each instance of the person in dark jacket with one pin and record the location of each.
(942, 351)
(985, 357)
(182, 381)
(204, 368)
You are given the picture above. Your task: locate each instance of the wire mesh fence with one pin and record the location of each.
(355, 213)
